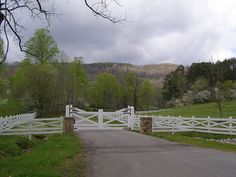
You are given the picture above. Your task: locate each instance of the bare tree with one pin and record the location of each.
(42, 10)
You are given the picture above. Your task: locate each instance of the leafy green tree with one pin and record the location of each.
(76, 81)
(105, 92)
(61, 66)
(41, 47)
(159, 100)
(146, 92)
(204, 70)
(35, 85)
(175, 83)
(131, 89)
(228, 69)
(17, 81)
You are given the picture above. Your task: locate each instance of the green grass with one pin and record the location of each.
(56, 156)
(188, 138)
(201, 110)
(11, 107)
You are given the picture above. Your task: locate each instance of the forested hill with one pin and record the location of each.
(154, 72)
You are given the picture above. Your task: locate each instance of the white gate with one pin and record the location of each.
(101, 120)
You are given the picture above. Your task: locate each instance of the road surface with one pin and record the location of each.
(119, 153)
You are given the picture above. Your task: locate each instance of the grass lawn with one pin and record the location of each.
(188, 138)
(201, 110)
(54, 156)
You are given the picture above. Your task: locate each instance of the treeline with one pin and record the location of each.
(201, 82)
(47, 79)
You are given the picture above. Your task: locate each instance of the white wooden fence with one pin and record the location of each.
(181, 124)
(28, 124)
(85, 120)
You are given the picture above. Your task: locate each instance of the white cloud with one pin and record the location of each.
(179, 31)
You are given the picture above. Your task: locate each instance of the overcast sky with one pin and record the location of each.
(156, 31)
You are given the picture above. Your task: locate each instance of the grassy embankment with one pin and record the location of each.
(201, 111)
(189, 138)
(54, 156)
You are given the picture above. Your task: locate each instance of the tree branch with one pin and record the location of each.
(7, 15)
(101, 9)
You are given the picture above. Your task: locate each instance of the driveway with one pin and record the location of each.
(119, 153)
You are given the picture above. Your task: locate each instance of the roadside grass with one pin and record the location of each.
(201, 111)
(189, 138)
(54, 156)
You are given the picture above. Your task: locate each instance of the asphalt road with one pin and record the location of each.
(127, 154)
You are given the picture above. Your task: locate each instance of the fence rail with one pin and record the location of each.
(180, 124)
(9, 122)
(151, 111)
(27, 124)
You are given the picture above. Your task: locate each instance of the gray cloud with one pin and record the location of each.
(157, 31)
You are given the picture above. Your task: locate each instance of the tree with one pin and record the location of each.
(228, 68)
(175, 83)
(35, 85)
(61, 65)
(9, 16)
(42, 46)
(146, 92)
(228, 87)
(1, 49)
(17, 81)
(131, 90)
(219, 96)
(2, 67)
(10, 11)
(105, 92)
(199, 85)
(76, 80)
(204, 70)
(159, 100)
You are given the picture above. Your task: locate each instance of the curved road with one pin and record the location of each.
(120, 153)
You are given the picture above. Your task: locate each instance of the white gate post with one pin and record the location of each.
(100, 118)
(230, 125)
(70, 110)
(129, 117)
(132, 117)
(67, 111)
(30, 126)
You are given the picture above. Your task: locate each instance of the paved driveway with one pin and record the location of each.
(127, 154)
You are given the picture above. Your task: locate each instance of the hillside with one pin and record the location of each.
(201, 110)
(154, 72)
